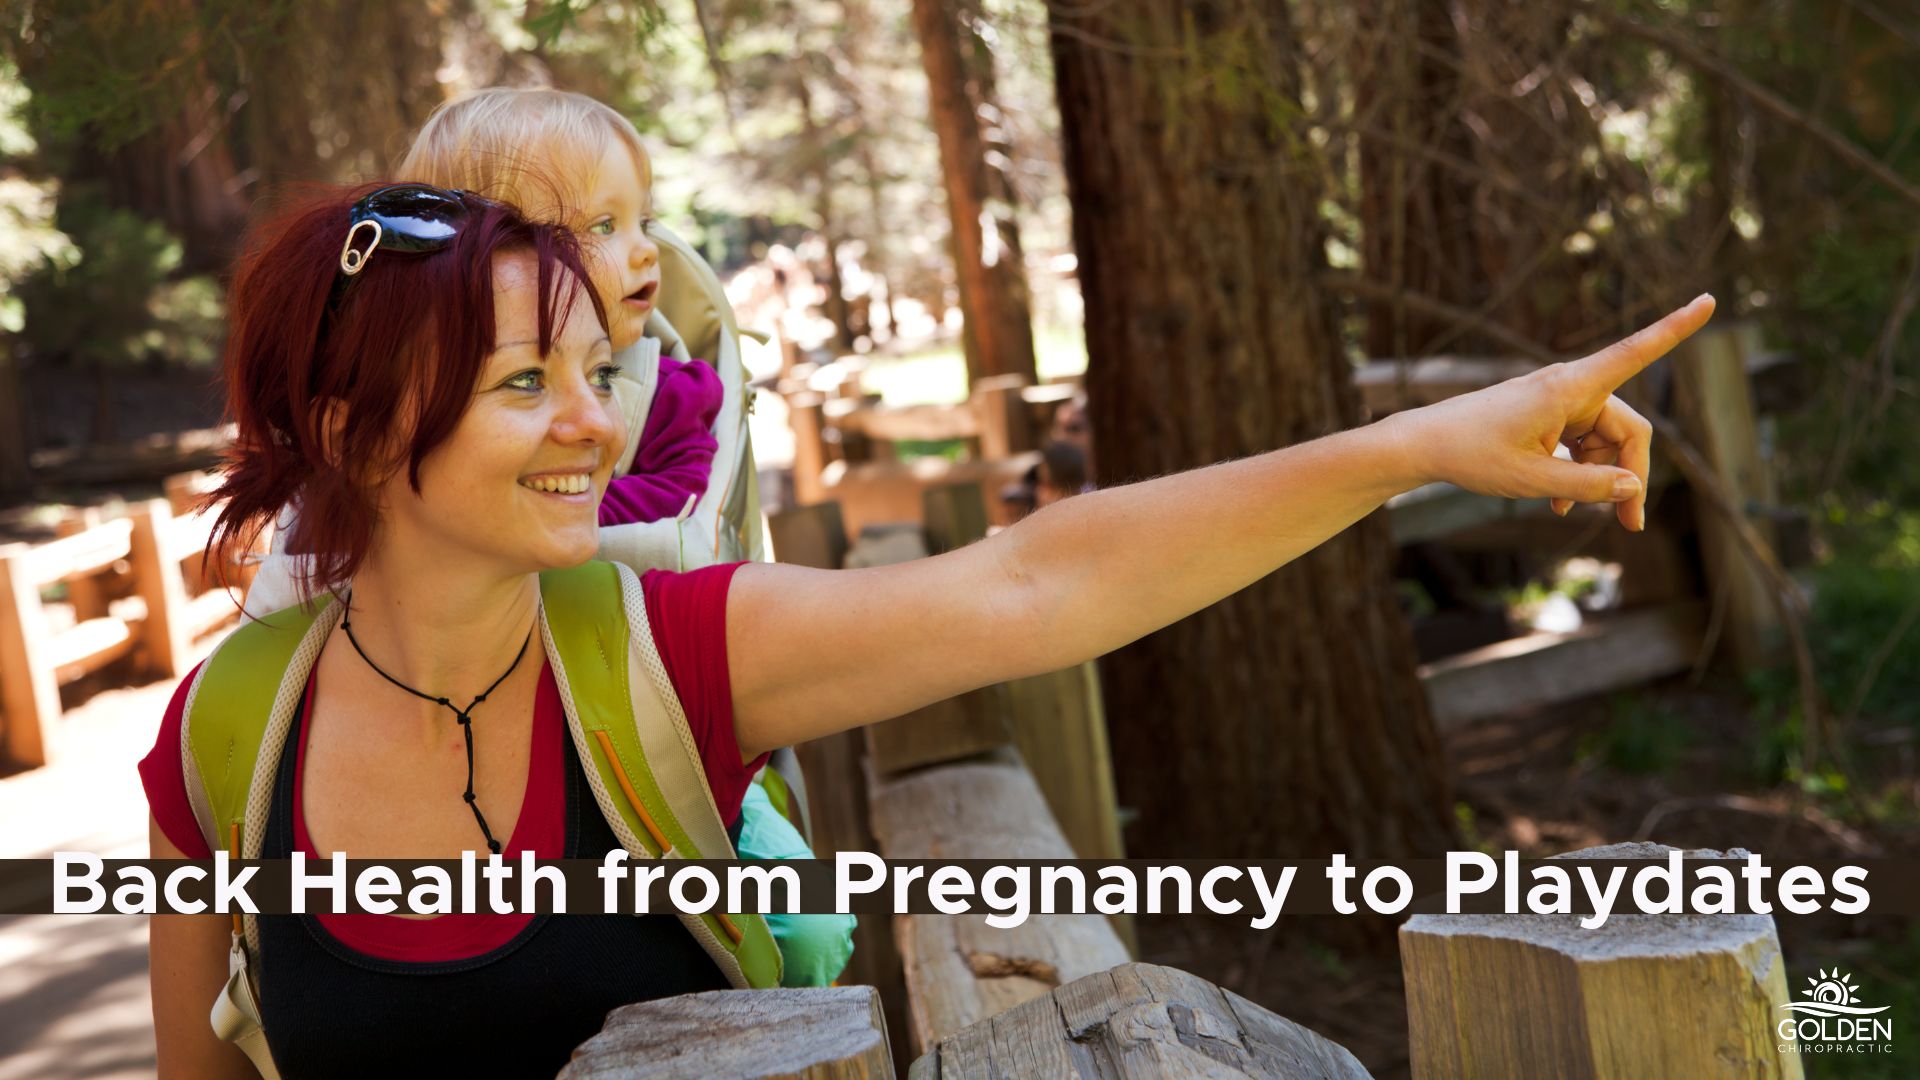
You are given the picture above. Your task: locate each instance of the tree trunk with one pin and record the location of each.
(1416, 215)
(1287, 719)
(15, 476)
(822, 170)
(980, 203)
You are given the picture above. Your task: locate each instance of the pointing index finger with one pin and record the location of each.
(1626, 358)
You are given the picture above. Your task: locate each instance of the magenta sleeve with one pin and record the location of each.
(165, 779)
(688, 615)
(676, 447)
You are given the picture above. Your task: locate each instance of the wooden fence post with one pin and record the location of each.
(1715, 408)
(1004, 430)
(806, 415)
(836, 779)
(88, 598)
(1138, 1022)
(954, 516)
(960, 970)
(823, 1033)
(809, 535)
(1060, 726)
(1642, 995)
(166, 631)
(29, 691)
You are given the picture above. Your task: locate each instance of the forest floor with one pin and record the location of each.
(1578, 776)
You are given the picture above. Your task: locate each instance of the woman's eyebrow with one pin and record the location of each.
(530, 343)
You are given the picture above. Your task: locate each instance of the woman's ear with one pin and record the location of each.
(330, 427)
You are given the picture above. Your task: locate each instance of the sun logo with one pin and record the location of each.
(1832, 988)
(1832, 994)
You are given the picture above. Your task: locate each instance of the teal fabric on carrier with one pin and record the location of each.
(815, 948)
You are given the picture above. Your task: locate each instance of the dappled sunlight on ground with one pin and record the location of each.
(73, 988)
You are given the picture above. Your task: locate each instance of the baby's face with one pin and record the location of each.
(626, 262)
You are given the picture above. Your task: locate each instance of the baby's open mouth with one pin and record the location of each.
(644, 294)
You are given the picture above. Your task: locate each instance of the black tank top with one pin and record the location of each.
(518, 1010)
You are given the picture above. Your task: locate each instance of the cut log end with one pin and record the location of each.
(818, 1034)
(1134, 1022)
(1640, 995)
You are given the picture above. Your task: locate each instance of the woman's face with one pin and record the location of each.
(518, 482)
(626, 262)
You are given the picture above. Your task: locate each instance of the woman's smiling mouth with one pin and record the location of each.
(559, 483)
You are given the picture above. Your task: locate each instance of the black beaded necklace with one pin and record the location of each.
(463, 715)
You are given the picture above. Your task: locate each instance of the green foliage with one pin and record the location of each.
(912, 449)
(1864, 631)
(114, 297)
(110, 70)
(1470, 834)
(1639, 738)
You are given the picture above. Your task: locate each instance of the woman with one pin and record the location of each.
(445, 419)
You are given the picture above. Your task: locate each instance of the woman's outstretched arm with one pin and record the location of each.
(817, 651)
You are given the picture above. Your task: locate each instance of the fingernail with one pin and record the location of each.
(1702, 296)
(1626, 487)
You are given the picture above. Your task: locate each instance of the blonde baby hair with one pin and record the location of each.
(535, 147)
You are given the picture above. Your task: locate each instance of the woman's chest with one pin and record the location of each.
(393, 783)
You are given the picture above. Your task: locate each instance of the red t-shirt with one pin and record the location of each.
(688, 616)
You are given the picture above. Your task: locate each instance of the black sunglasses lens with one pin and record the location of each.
(413, 217)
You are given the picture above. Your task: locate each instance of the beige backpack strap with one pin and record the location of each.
(637, 750)
(238, 712)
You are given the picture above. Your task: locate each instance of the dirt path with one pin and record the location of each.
(73, 988)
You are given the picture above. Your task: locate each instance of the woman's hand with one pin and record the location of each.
(1501, 440)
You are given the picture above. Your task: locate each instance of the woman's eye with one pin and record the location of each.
(604, 375)
(526, 380)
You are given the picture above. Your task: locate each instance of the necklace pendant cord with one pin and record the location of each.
(463, 716)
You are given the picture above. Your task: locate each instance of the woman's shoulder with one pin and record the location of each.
(163, 774)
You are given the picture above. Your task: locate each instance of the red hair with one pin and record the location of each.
(400, 345)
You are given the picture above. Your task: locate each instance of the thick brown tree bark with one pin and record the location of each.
(1416, 214)
(15, 476)
(1287, 719)
(980, 199)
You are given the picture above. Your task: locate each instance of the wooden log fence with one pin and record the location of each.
(959, 970)
(1504, 997)
(142, 555)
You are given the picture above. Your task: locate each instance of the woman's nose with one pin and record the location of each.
(587, 416)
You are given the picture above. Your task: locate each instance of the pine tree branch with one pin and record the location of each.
(1760, 95)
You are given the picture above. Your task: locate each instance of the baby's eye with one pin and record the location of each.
(525, 380)
(647, 223)
(604, 375)
(603, 227)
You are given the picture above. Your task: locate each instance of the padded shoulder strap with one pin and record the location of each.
(629, 729)
(237, 714)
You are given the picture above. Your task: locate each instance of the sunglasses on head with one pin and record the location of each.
(410, 218)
